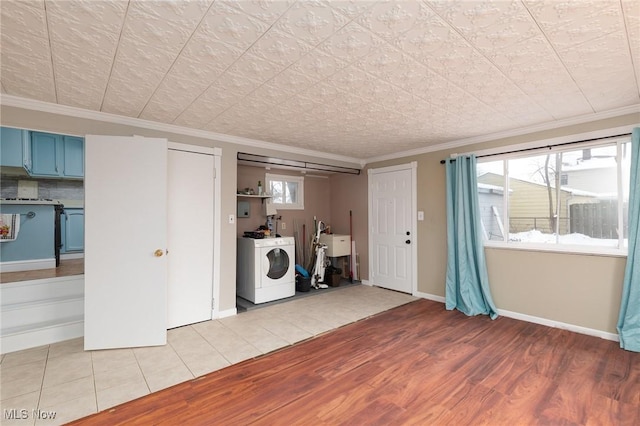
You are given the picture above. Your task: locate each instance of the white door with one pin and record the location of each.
(391, 234)
(190, 239)
(125, 242)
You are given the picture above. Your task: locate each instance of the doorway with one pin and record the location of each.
(392, 230)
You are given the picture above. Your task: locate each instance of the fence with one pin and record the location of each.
(597, 220)
(542, 224)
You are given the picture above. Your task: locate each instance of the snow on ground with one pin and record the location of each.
(535, 236)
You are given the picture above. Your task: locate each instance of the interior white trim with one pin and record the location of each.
(27, 265)
(510, 133)
(32, 104)
(226, 313)
(217, 231)
(561, 325)
(177, 146)
(69, 256)
(543, 143)
(557, 248)
(538, 320)
(429, 296)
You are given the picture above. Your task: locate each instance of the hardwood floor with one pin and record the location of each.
(416, 364)
(66, 268)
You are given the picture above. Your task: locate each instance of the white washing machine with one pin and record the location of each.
(266, 269)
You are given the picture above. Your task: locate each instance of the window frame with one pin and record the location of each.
(299, 204)
(619, 251)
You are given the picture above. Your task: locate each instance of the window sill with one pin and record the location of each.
(556, 248)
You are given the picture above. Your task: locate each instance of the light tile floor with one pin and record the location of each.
(64, 379)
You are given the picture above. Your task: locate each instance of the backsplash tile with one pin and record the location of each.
(47, 188)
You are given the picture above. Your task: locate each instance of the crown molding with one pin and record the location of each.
(510, 133)
(35, 105)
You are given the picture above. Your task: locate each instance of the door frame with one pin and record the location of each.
(217, 200)
(413, 167)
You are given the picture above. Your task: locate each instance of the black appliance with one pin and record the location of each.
(57, 231)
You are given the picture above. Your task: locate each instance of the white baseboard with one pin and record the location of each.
(225, 313)
(27, 265)
(366, 282)
(45, 335)
(538, 320)
(429, 296)
(69, 256)
(561, 325)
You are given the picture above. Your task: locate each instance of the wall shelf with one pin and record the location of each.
(262, 197)
(253, 196)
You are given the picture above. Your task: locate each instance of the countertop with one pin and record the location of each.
(30, 202)
(70, 204)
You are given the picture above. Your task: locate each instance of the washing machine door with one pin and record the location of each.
(275, 265)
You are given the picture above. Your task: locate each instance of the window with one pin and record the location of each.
(564, 179)
(287, 192)
(560, 198)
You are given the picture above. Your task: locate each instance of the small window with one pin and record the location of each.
(564, 179)
(287, 192)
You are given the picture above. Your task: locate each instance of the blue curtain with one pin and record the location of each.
(467, 286)
(629, 319)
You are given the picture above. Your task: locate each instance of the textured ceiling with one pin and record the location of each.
(354, 78)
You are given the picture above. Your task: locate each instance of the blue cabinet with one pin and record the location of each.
(56, 155)
(11, 146)
(36, 237)
(72, 230)
(45, 150)
(73, 164)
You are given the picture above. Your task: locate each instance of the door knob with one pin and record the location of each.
(408, 241)
(158, 253)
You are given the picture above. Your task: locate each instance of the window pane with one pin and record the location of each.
(292, 192)
(491, 199)
(276, 192)
(534, 214)
(591, 197)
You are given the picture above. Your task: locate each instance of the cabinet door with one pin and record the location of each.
(10, 147)
(26, 150)
(74, 230)
(73, 156)
(44, 154)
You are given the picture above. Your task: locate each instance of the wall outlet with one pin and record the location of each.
(232, 218)
(420, 215)
(283, 225)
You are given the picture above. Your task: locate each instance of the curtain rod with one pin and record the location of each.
(546, 146)
(295, 164)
